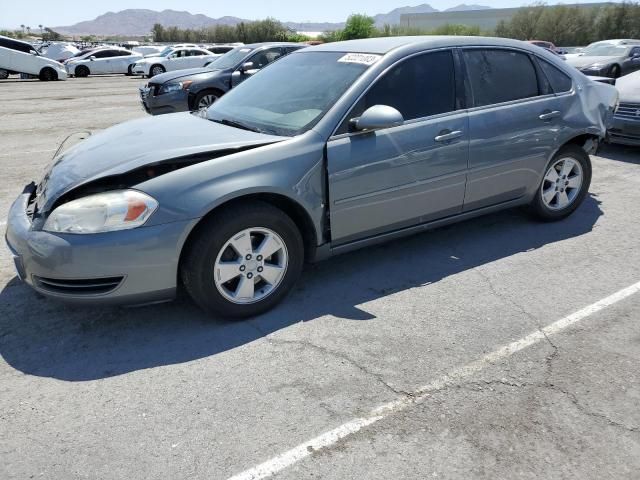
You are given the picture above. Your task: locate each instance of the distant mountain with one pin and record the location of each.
(137, 22)
(393, 17)
(141, 21)
(465, 8)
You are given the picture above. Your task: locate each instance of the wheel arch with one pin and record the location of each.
(289, 206)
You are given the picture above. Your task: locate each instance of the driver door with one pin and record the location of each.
(388, 179)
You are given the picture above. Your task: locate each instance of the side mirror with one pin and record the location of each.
(33, 52)
(246, 67)
(92, 58)
(376, 118)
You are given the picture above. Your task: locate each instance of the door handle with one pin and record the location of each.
(447, 137)
(550, 115)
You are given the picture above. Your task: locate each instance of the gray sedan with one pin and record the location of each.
(608, 60)
(330, 149)
(197, 88)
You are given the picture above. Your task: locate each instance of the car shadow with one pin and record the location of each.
(621, 153)
(45, 338)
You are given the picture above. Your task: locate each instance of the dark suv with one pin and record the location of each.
(198, 88)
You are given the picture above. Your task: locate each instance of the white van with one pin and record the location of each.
(21, 57)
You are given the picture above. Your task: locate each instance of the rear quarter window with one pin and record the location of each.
(498, 76)
(559, 81)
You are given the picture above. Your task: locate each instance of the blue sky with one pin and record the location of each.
(67, 12)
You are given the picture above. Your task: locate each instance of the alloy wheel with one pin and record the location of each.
(206, 101)
(251, 265)
(562, 184)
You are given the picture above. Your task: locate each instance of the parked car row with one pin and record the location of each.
(57, 61)
(199, 88)
(328, 149)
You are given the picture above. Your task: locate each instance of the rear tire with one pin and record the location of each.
(224, 259)
(156, 70)
(564, 186)
(3, 74)
(129, 71)
(82, 71)
(48, 74)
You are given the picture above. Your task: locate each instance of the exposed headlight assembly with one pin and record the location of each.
(174, 87)
(102, 212)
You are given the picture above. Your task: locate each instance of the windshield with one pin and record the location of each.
(289, 96)
(606, 50)
(230, 59)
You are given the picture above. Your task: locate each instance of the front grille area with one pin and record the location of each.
(629, 111)
(80, 287)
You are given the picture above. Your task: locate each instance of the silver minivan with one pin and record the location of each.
(330, 149)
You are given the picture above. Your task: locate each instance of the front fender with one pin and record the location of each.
(293, 169)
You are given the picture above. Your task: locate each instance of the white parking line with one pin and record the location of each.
(2, 223)
(288, 458)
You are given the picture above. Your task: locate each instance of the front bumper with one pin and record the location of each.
(138, 70)
(129, 267)
(167, 103)
(598, 72)
(624, 131)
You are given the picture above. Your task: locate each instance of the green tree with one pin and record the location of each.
(358, 26)
(524, 24)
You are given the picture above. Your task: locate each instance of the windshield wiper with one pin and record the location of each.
(233, 123)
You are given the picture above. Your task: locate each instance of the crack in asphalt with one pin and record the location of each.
(327, 351)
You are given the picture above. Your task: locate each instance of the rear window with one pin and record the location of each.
(498, 76)
(559, 81)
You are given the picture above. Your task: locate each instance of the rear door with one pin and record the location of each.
(177, 61)
(514, 124)
(120, 61)
(397, 177)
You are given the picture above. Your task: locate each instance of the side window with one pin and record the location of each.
(197, 53)
(634, 51)
(421, 86)
(265, 57)
(101, 54)
(123, 53)
(498, 76)
(560, 81)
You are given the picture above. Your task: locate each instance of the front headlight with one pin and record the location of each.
(102, 212)
(174, 87)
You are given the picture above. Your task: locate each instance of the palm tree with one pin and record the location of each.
(22, 27)
(40, 26)
(28, 30)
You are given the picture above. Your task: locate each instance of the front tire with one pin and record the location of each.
(156, 70)
(615, 72)
(205, 99)
(129, 71)
(243, 260)
(48, 74)
(564, 186)
(81, 71)
(3, 74)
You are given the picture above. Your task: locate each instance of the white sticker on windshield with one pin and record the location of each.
(362, 58)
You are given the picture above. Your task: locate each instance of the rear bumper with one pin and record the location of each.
(129, 267)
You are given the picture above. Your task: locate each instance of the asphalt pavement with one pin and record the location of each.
(392, 362)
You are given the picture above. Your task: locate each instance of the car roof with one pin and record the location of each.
(269, 44)
(384, 45)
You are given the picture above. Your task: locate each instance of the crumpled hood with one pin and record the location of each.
(629, 88)
(138, 143)
(579, 62)
(178, 74)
